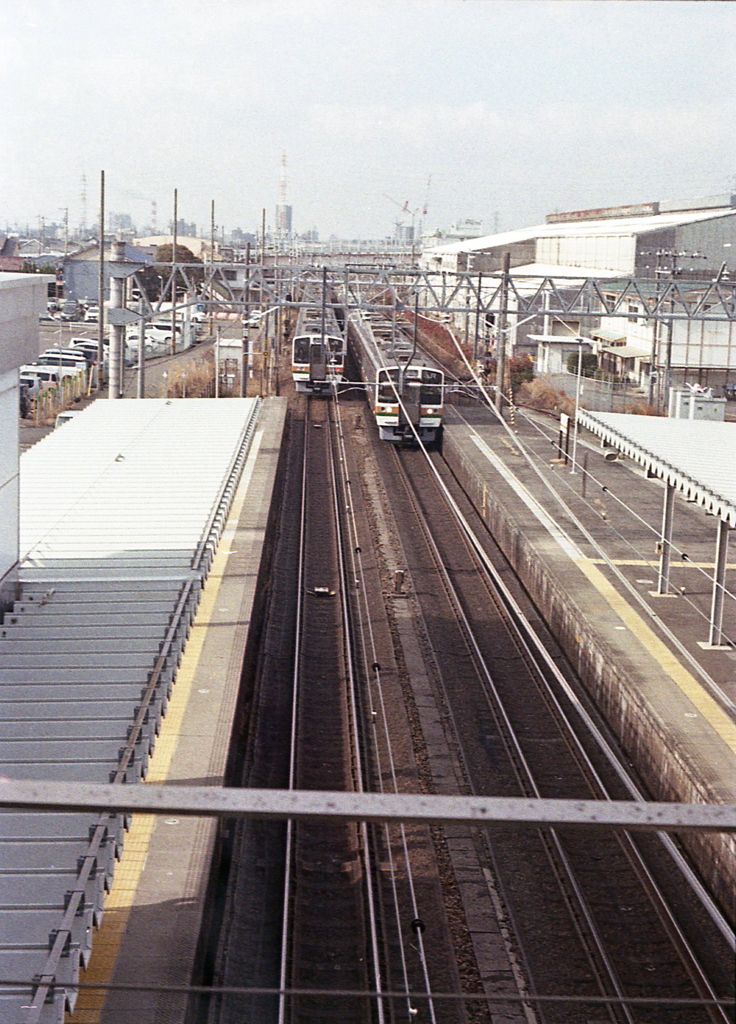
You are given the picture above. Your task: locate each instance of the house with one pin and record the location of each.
(82, 268)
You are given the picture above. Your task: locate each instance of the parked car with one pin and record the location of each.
(92, 315)
(65, 365)
(30, 384)
(89, 347)
(69, 309)
(55, 355)
(45, 375)
(160, 330)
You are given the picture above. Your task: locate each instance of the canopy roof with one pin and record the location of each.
(696, 456)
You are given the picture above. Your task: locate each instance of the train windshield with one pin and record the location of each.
(386, 391)
(303, 342)
(431, 392)
(301, 349)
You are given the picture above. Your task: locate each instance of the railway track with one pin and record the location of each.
(406, 673)
(614, 934)
(329, 929)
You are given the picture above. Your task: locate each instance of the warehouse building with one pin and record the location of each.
(624, 239)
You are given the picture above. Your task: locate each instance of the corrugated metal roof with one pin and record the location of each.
(695, 456)
(573, 274)
(625, 351)
(581, 229)
(607, 333)
(120, 514)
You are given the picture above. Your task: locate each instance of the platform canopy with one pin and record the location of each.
(696, 457)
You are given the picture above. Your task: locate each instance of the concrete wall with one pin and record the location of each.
(9, 484)
(22, 299)
(671, 774)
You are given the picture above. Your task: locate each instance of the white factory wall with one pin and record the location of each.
(600, 252)
(700, 343)
(22, 299)
(9, 430)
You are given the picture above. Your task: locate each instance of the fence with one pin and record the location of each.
(597, 395)
(49, 401)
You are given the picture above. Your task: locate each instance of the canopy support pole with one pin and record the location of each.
(665, 539)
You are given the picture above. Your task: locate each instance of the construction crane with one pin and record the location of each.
(405, 208)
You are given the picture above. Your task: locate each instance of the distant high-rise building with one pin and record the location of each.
(283, 209)
(283, 219)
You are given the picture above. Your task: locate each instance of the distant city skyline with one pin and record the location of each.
(497, 111)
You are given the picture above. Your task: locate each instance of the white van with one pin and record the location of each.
(46, 375)
(160, 330)
(65, 366)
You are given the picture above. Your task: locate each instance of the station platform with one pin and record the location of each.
(590, 565)
(144, 528)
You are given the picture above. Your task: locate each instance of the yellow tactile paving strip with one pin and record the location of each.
(686, 682)
(121, 897)
(653, 564)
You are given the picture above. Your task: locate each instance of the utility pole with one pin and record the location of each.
(212, 231)
(101, 288)
(263, 236)
(245, 354)
(501, 332)
(173, 272)
(477, 320)
(117, 330)
(141, 349)
(210, 290)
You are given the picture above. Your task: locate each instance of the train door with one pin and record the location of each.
(317, 361)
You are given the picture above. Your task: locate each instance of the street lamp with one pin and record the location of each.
(579, 340)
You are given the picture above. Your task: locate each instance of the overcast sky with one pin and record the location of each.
(515, 109)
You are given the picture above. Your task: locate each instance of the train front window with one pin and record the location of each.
(301, 349)
(431, 393)
(334, 343)
(386, 391)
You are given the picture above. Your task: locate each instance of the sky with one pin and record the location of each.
(497, 110)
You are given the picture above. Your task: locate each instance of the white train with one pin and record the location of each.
(317, 351)
(404, 391)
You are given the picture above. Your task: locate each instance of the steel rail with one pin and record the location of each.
(621, 770)
(631, 851)
(364, 624)
(581, 914)
(524, 632)
(288, 855)
(623, 773)
(350, 661)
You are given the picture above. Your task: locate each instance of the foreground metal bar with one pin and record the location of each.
(303, 804)
(351, 993)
